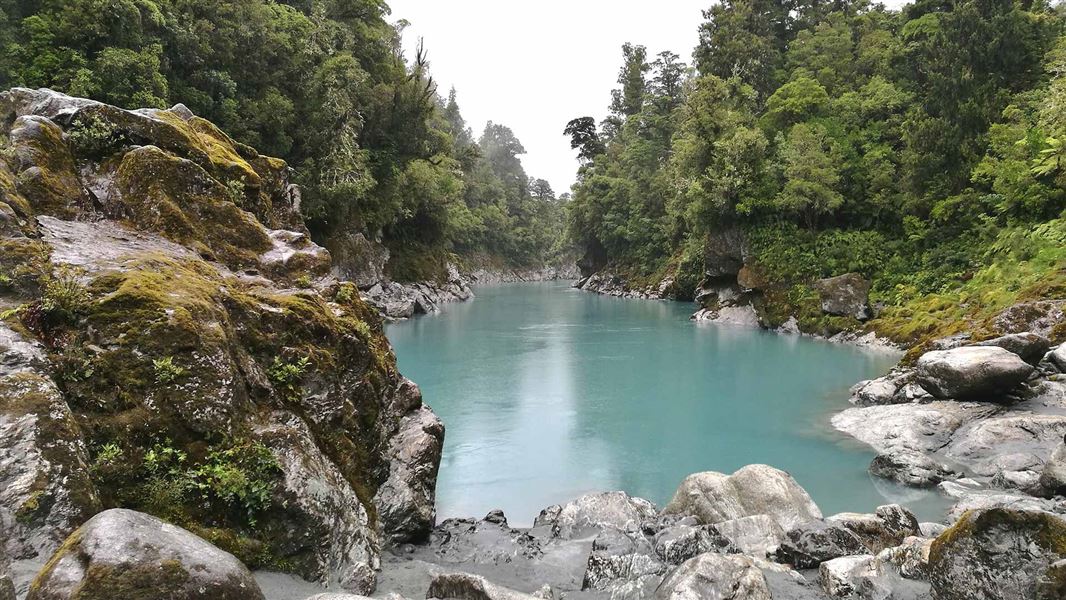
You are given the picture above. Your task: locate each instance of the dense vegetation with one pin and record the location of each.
(321, 83)
(925, 149)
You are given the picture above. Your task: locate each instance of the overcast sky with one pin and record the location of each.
(533, 66)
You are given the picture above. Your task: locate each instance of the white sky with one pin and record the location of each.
(533, 66)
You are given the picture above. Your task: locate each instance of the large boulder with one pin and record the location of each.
(845, 296)
(595, 511)
(406, 501)
(126, 554)
(358, 259)
(753, 490)
(626, 565)
(757, 535)
(718, 576)
(1000, 554)
(972, 373)
(1031, 347)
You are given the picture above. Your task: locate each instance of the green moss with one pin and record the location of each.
(178, 199)
(51, 184)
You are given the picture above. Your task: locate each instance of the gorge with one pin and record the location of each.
(276, 325)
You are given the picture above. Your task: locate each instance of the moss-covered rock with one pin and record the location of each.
(194, 322)
(122, 554)
(45, 173)
(1000, 554)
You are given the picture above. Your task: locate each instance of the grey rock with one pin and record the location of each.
(717, 576)
(328, 537)
(972, 373)
(1053, 476)
(1031, 347)
(931, 530)
(626, 566)
(7, 589)
(984, 499)
(846, 296)
(888, 527)
(868, 577)
(1038, 317)
(359, 260)
(406, 502)
(463, 586)
(753, 490)
(724, 252)
(999, 554)
(909, 437)
(757, 535)
(810, 544)
(674, 545)
(138, 554)
(595, 511)
(45, 489)
(1058, 357)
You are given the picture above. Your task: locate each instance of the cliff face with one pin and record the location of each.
(173, 342)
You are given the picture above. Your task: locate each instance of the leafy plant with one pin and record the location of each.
(235, 190)
(92, 135)
(304, 281)
(287, 376)
(63, 297)
(166, 371)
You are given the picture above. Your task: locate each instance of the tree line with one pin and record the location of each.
(839, 136)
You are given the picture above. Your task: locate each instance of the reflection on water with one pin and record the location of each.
(548, 393)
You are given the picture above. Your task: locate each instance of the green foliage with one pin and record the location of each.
(92, 136)
(287, 376)
(63, 297)
(166, 372)
(906, 146)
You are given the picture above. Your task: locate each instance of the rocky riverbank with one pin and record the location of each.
(752, 535)
(363, 262)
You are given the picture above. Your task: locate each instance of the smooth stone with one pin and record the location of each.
(813, 543)
(757, 535)
(718, 576)
(135, 554)
(595, 511)
(1031, 347)
(972, 373)
(753, 490)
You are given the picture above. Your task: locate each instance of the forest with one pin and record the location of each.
(923, 149)
(323, 84)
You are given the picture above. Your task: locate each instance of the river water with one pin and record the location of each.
(548, 393)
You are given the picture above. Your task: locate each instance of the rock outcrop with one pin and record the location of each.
(126, 554)
(177, 332)
(845, 296)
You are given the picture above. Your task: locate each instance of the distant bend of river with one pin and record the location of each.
(548, 393)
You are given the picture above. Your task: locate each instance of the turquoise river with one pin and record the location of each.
(548, 393)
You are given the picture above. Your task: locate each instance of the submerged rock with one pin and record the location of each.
(753, 490)
(972, 373)
(1000, 554)
(126, 554)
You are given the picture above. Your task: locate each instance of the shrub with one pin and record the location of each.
(63, 297)
(92, 136)
(286, 376)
